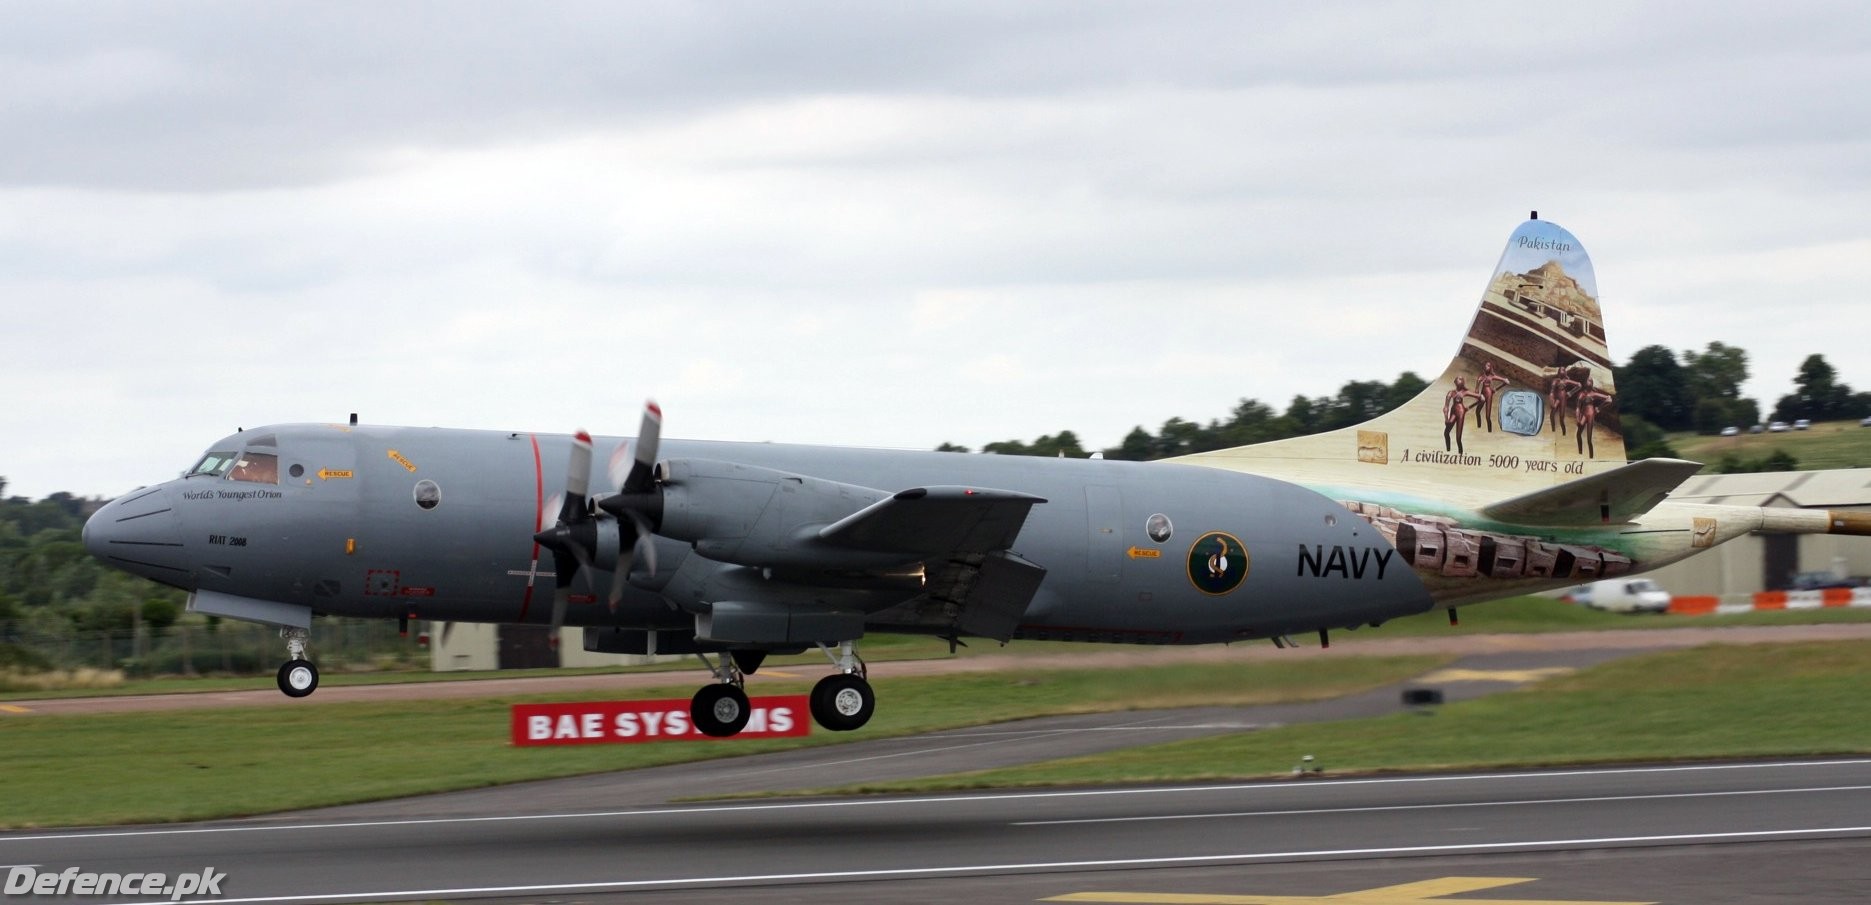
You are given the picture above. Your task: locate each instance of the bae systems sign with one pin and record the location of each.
(624, 722)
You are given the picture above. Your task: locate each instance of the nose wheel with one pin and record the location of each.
(297, 677)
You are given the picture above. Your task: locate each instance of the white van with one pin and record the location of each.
(1625, 595)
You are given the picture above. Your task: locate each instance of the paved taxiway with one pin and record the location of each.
(1326, 836)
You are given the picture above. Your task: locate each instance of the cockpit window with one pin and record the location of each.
(256, 468)
(213, 464)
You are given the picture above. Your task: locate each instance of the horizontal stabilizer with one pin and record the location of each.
(1607, 498)
(935, 521)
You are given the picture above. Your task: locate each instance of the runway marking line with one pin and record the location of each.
(1516, 676)
(1029, 867)
(14, 708)
(1434, 806)
(1272, 786)
(1422, 891)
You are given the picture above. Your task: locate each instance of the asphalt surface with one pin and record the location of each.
(1693, 833)
(1789, 831)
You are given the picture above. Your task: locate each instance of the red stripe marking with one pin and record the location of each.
(539, 512)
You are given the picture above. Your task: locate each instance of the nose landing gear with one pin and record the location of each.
(297, 677)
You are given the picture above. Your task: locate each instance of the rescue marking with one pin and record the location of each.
(327, 474)
(1144, 553)
(411, 466)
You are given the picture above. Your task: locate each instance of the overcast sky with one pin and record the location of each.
(876, 223)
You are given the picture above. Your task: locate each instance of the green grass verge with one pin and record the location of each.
(1516, 615)
(1520, 615)
(1714, 702)
(1829, 444)
(198, 764)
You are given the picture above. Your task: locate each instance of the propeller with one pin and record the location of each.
(581, 531)
(574, 534)
(638, 483)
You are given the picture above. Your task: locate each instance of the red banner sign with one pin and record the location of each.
(627, 722)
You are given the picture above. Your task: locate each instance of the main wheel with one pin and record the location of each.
(298, 678)
(843, 702)
(720, 710)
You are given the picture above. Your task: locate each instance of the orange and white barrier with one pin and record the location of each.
(1770, 600)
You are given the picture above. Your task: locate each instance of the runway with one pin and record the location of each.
(1710, 833)
(1599, 835)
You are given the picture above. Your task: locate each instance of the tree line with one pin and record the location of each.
(1252, 421)
(1701, 391)
(51, 587)
(1658, 391)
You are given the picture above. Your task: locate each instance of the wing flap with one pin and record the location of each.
(1607, 498)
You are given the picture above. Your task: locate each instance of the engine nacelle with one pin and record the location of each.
(760, 517)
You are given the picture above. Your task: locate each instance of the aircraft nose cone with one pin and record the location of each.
(140, 534)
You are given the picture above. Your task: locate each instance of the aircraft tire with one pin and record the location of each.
(843, 702)
(298, 678)
(720, 710)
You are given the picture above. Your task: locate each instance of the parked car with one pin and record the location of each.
(1865, 421)
(1731, 431)
(1778, 427)
(1819, 581)
(1623, 595)
(1802, 424)
(1756, 428)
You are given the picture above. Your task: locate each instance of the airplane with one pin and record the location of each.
(1506, 476)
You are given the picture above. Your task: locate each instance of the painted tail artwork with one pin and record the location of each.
(1508, 473)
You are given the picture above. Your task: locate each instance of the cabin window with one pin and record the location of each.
(428, 494)
(256, 468)
(214, 464)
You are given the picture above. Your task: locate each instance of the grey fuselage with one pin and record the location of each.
(438, 524)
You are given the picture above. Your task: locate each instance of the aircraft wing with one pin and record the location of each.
(972, 579)
(1607, 498)
(934, 521)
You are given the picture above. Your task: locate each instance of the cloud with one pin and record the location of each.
(874, 225)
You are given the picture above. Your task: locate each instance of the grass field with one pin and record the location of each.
(1517, 615)
(1712, 702)
(196, 764)
(1829, 444)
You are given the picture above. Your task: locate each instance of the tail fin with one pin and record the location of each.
(1527, 402)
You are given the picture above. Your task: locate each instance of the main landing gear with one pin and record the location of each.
(297, 677)
(840, 702)
(843, 701)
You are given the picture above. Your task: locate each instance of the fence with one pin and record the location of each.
(232, 648)
(1771, 600)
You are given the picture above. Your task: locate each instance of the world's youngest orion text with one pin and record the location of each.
(74, 882)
